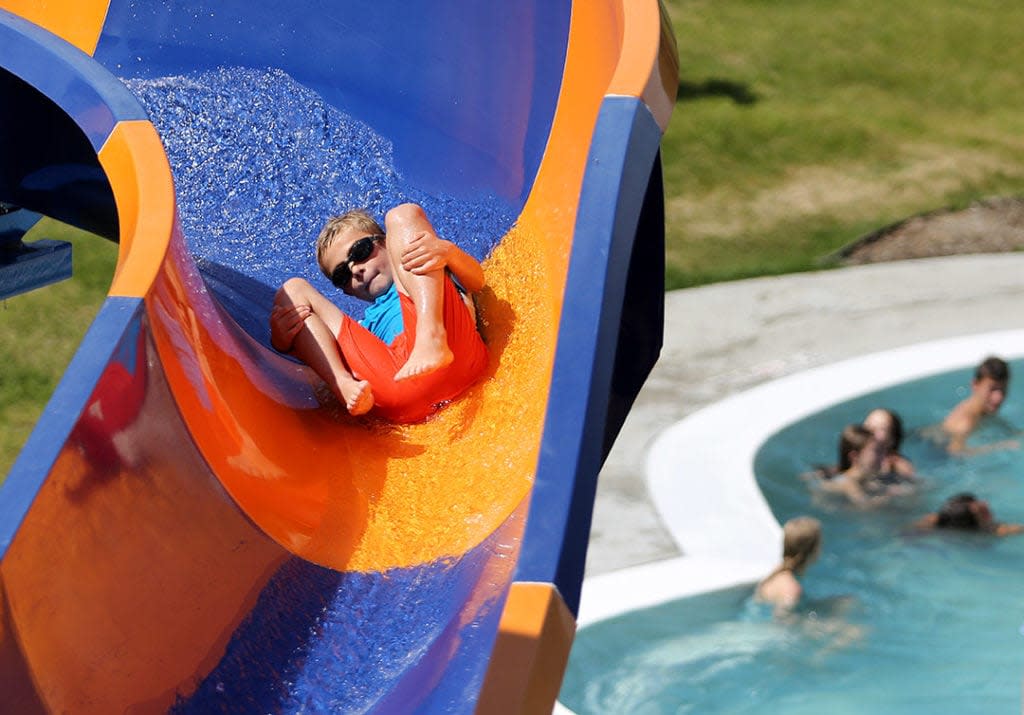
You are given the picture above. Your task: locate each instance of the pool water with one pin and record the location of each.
(894, 621)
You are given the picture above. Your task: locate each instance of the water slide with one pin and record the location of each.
(195, 525)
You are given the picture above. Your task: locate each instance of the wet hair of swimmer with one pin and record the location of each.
(853, 438)
(801, 538)
(956, 513)
(897, 429)
(993, 368)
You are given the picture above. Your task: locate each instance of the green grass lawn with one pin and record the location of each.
(40, 331)
(801, 126)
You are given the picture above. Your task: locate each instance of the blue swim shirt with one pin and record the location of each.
(383, 317)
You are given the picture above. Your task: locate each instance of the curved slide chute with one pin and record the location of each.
(195, 525)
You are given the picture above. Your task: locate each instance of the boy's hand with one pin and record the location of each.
(285, 324)
(426, 253)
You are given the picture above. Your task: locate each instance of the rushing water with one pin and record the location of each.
(894, 621)
(260, 162)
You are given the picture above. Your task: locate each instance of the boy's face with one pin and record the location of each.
(992, 393)
(371, 277)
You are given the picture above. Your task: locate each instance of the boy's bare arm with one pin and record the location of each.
(467, 269)
(957, 443)
(957, 426)
(427, 252)
(990, 447)
(928, 521)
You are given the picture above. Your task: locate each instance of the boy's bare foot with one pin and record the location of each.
(357, 396)
(429, 353)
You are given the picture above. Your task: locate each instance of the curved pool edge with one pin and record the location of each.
(724, 548)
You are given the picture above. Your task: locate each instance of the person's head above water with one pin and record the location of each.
(993, 367)
(887, 427)
(858, 447)
(964, 511)
(991, 383)
(801, 542)
(350, 252)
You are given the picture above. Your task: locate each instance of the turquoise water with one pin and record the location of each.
(893, 621)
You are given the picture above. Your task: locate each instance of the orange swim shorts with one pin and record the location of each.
(371, 359)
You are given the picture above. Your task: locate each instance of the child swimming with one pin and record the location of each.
(965, 512)
(860, 464)
(989, 388)
(887, 427)
(894, 469)
(801, 546)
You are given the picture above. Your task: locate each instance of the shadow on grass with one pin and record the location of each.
(714, 87)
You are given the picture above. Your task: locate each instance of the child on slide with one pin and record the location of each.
(417, 346)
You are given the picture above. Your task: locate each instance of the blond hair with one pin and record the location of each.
(356, 218)
(801, 539)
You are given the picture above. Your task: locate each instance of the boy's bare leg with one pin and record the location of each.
(430, 349)
(315, 345)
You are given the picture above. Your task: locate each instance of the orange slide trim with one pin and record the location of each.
(549, 216)
(77, 21)
(649, 66)
(529, 658)
(140, 177)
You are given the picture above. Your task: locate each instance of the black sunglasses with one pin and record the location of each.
(359, 252)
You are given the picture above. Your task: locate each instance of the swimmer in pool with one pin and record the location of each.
(896, 469)
(989, 387)
(418, 345)
(801, 545)
(887, 427)
(965, 512)
(860, 464)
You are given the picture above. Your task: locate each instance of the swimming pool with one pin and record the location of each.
(892, 621)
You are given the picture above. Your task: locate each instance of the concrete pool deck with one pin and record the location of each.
(723, 339)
